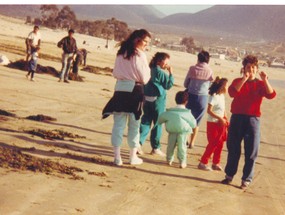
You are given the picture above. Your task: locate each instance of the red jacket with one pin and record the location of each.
(248, 100)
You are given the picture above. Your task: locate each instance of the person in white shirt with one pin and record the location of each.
(217, 125)
(33, 41)
(131, 71)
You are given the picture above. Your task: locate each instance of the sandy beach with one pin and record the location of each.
(98, 187)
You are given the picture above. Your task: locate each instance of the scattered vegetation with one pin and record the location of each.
(41, 118)
(6, 113)
(98, 70)
(53, 134)
(65, 18)
(11, 158)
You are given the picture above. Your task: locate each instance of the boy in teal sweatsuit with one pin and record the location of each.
(179, 123)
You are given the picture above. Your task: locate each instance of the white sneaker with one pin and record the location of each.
(204, 167)
(136, 161)
(118, 162)
(140, 151)
(32, 79)
(183, 165)
(157, 152)
(170, 163)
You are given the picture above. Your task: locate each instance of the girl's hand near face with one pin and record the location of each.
(169, 69)
(263, 76)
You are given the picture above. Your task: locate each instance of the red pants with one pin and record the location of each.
(216, 135)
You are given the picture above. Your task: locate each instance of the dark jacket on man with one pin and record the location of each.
(68, 45)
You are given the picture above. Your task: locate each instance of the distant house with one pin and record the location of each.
(176, 47)
(277, 64)
(218, 56)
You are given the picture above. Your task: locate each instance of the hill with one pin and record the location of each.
(246, 22)
(250, 21)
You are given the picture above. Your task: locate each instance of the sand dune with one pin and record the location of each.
(151, 188)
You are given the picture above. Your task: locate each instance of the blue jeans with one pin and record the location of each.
(247, 128)
(120, 121)
(66, 63)
(198, 105)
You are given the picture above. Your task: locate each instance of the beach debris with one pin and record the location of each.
(53, 134)
(6, 113)
(4, 60)
(21, 65)
(98, 70)
(104, 89)
(94, 159)
(75, 77)
(14, 158)
(101, 174)
(41, 118)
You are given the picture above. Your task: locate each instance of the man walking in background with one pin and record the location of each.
(68, 45)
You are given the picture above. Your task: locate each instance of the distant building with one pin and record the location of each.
(176, 47)
(218, 56)
(277, 65)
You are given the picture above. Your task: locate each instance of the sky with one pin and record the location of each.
(171, 9)
(168, 7)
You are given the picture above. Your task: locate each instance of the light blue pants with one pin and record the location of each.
(120, 121)
(179, 140)
(66, 63)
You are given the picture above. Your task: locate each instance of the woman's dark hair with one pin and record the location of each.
(181, 97)
(128, 46)
(204, 57)
(158, 57)
(217, 86)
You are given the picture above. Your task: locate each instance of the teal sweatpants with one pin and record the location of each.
(179, 140)
(120, 121)
(151, 111)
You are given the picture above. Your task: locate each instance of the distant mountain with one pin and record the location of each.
(250, 22)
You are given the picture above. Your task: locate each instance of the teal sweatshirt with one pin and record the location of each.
(158, 83)
(177, 120)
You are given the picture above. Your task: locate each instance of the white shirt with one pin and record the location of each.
(35, 55)
(218, 106)
(34, 37)
(135, 69)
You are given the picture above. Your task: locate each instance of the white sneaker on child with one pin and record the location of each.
(118, 162)
(157, 152)
(136, 160)
(170, 162)
(183, 165)
(204, 167)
